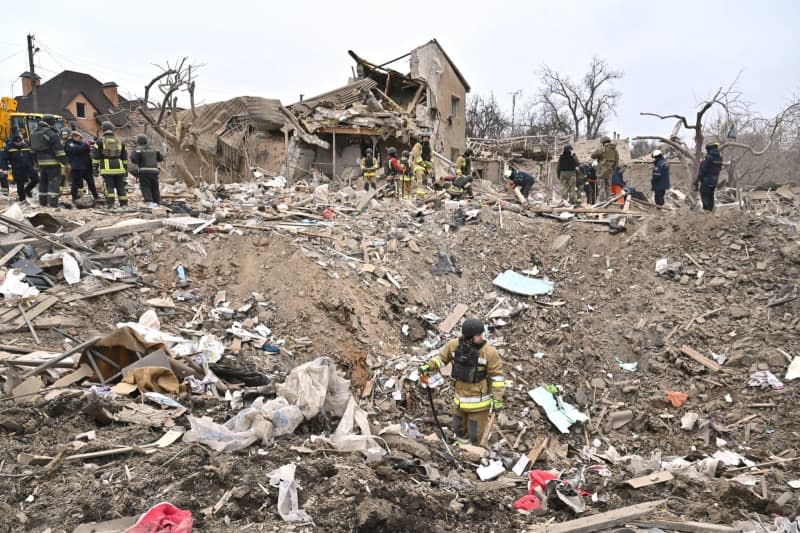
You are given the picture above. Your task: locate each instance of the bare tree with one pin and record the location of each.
(642, 148)
(485, 118)
(541, 120)
(169, 123)
(731, 107)
(590, 102)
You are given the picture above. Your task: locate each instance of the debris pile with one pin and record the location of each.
(248, 354)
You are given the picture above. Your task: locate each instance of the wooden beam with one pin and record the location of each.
(601, 521)
(356, 130)
(702, 359)
(117, 230)
(11, 254)
(413, 103)
(688, 527)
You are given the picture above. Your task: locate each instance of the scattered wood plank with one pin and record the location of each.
(26, 348)
(116, 287)
(126, 227)
(601, 521)
(688, 527)
(29, 324)
(452, 319)
(702, 359)
(46, 323)
(44, 366)
(11, 254)
(538, 448)
(651, 479)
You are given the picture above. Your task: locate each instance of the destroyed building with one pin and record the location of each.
(382, 107)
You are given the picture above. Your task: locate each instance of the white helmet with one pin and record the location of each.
(508, 173)
(656, 153)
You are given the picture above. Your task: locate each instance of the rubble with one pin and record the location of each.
(206, 323)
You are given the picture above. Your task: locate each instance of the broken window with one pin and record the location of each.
(80, 110)
(454, 105)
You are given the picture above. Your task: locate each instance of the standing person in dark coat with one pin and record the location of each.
(147, 158)
(79, 156)
(18, 157)
(660, 178)
(708, 175)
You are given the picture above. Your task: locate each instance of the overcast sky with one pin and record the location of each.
(673, 53)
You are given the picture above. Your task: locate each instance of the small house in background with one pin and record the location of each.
(82, 100)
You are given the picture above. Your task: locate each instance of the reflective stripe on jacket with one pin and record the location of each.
(475, 396)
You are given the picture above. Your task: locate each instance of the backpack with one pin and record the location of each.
(465, 364)
(112, 148)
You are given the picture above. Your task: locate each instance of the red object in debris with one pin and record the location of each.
(528, 503)
(676, 398)
(329, 214)
(210, 230)
(163, 517)
(539, 478)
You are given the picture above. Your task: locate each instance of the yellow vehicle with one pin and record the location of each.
(23, 123)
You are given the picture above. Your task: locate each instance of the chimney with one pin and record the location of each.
(110, 90)
(29, 81)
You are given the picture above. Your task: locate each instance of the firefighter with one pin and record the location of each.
(393, 167)
(607, 160)
(109, 158)
(464, 163)
(147, 159)
(708, 175)
(479, 381)
(49, 155)
(405, 177)
(660, 177)
(369, 169)
(80, 163)
(461, 187)
(567, 171)
(18, 157)
(422, 168)
(520, 179)
(589, 175)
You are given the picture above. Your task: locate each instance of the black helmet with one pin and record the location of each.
(16, 138)
(141, 139)
(406, 153)
(392, 150)
(468, 152)
(47, 120)
(604, 139)
(567, 147)
(107, 126)
(471, 327)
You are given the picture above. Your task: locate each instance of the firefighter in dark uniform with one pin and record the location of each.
(109, 158)
(80, 165)
(18, 157)
(523, 180)
(369, 169)
(147, 159)
(589, 175)
(480, 384)
(708, 175)
(660, 177)
(49, 155)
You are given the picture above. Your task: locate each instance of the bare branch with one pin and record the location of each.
(683, 151)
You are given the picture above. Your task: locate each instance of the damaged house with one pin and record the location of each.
(380, 108)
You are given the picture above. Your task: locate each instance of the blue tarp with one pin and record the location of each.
(519, 284)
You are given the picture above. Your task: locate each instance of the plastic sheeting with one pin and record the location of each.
(560, 413)
(315, 386)
(519, 284)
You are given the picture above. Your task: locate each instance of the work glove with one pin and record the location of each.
(497, 406)
(425, 369)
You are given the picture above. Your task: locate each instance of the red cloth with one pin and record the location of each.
(527, 503)
(163, 517)
(539, 478)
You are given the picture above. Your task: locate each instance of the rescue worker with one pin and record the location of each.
(618, 183)
(405, 177)
(18, 158)
(393, 168)
(607, 160)
(80, 164)
(589, 174)
(708, 175)
(480, 384)
(147, 159)
(567, 172)
(461, 187)
(422, 167)
(369, 168)
(517, 178)
(49, 155)
(464, 163)
(109, 158)
(660, 177)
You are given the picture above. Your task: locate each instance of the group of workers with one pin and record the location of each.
(52, 155)
(412, 166)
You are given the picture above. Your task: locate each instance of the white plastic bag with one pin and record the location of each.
(288, 506)
(315, 386)
(72, 272)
